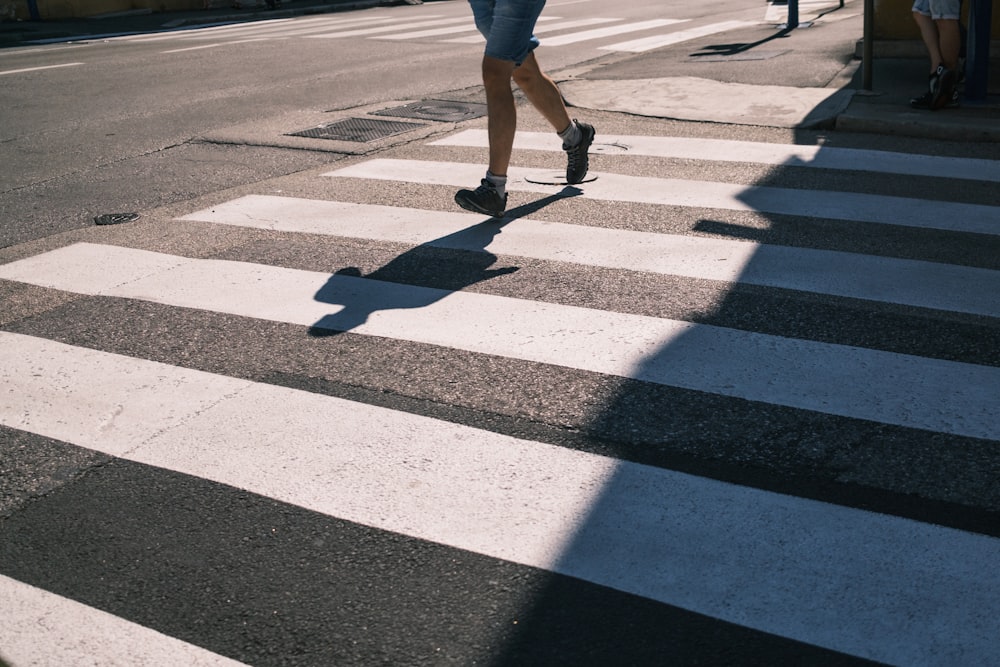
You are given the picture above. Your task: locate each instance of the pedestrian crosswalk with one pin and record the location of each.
(435, 461)
(603, 31)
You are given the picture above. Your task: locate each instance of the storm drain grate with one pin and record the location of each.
(439, 110)
(115, 218)
(357, 129)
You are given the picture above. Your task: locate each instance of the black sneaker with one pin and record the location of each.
(922, 102)
(925, 100)
(953, 101)
(485, 199)
(942, 87)
(577, 160)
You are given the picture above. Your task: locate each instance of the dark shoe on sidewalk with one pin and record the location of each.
(942, 87)
(577, 159)
(925, 100)
(485, 199)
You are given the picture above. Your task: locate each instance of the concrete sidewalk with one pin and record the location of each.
(809, 77)
(761, 74)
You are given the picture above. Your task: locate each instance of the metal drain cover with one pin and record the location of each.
(115, 218)
(555, 178)
(608, 149)
(439, 110)
(357, 129)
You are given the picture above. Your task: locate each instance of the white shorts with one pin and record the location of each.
(939, 9)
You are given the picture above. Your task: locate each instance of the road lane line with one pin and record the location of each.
(217, 44)
(390, 28)
(42, 628)
(849, 206)
(229, 29)
(867, 584)
(657, 41)
(540, 29)
(37, 69)
(723, 150)
(884, 387)
(883, 279)
(599, 33)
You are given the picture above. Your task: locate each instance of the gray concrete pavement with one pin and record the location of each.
(763, 75)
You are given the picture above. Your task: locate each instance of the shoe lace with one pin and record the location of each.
(575, 156)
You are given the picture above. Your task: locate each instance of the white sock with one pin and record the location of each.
(571, 136)
(500, 182)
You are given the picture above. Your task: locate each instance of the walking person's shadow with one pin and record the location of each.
(391, 287)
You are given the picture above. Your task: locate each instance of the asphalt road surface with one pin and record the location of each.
(732, 402)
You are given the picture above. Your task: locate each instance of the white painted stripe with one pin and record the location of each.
(723, 150)
(434, 32)
(539, 29)
(300, 27)
(908, 282)
(852, 206)
(267, 26)
(578, 23)
(390, 28)
(215, 45)
(866, 584)
(451, 30)
(203, 32)
(240, 27)
(657, 41)
(599, 33)
(41, 628)
(904, 390)
(37, 69)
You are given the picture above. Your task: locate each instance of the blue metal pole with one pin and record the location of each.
(33, 10)
(793, 14)
(977, 62)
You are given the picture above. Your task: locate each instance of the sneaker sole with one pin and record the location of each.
(475, 208)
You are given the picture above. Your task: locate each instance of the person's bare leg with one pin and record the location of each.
(949, 42)
(542, 92)
(501, 112)
(929, 35)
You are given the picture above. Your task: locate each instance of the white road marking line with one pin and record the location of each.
(420, 34)
(723, 150)
(216, 44)
(657, 41)
(865, 584)
(359, 32)
(884, 279)
(849, 206)
(203, 32)
(599, 33)
(539, 29)
(42, 628)
(37, 69)
(269, 26)
(879, 386)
